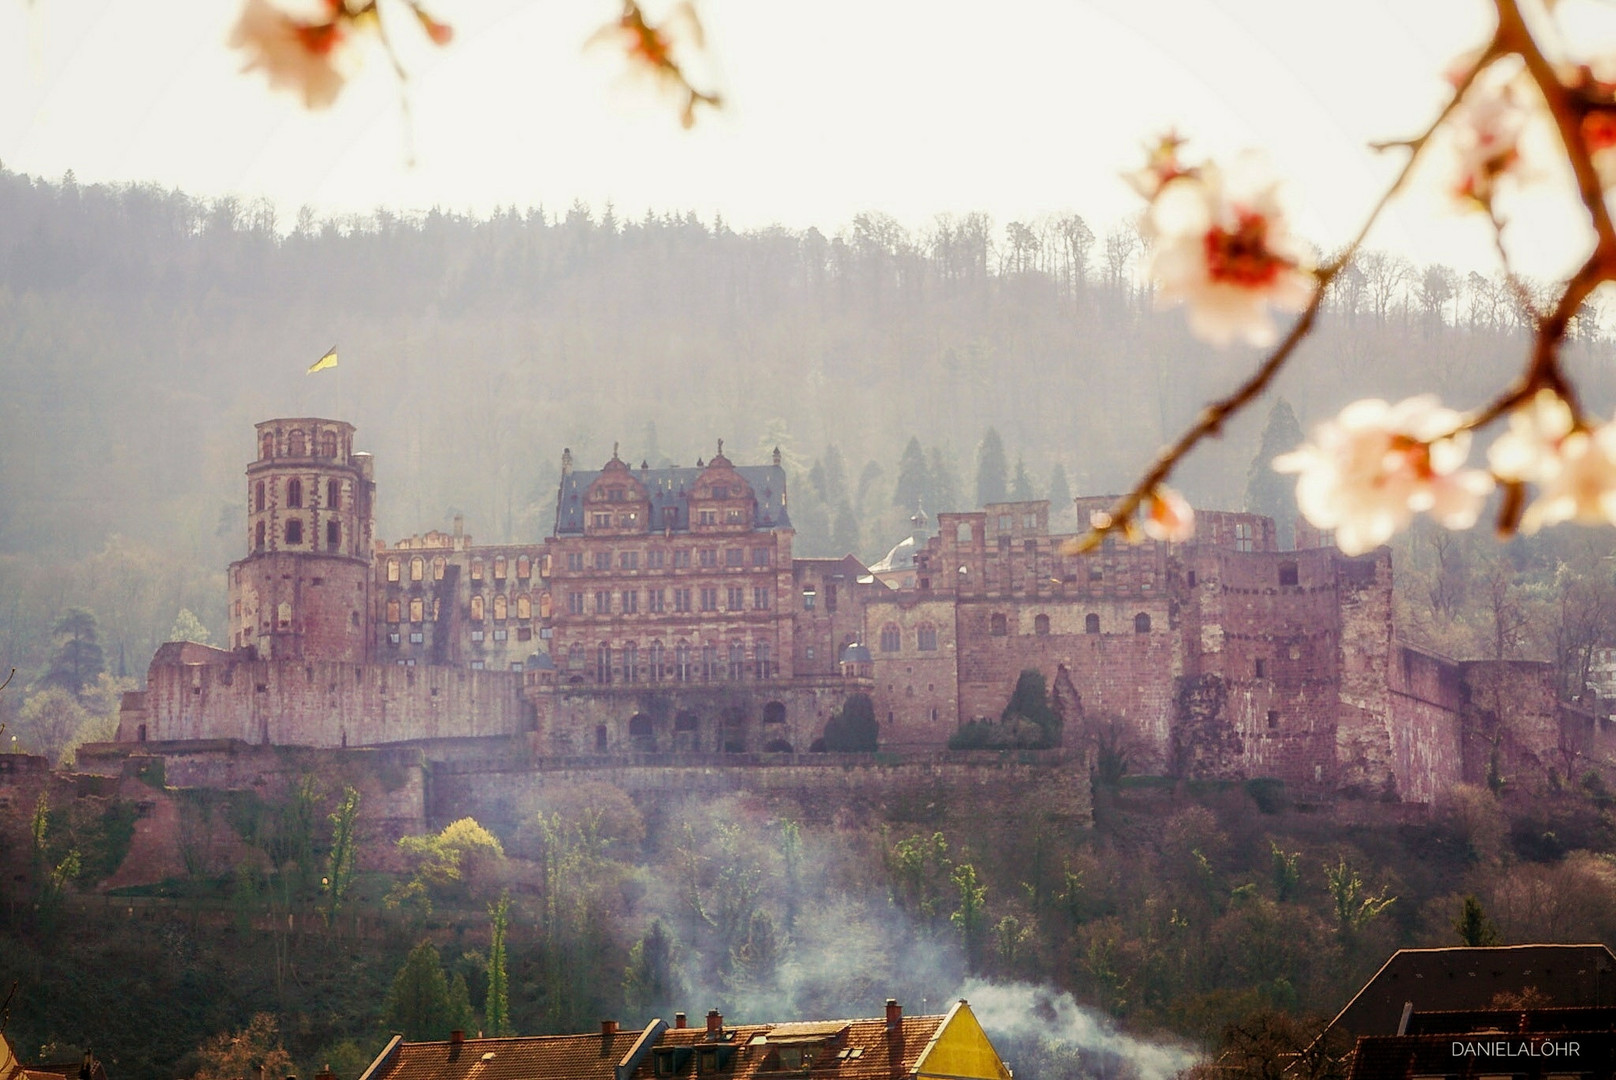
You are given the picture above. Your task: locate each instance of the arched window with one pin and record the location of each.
(524, 606)
(631, 662)
(392, 611)
(476, 569)
(268, 450)
(437, 568)
(501, 607)
(392, 569)
(294, 531)
(653, 661)
(603, 664)
(575, 658)
(685, 721)
(477, 608)
(926, 637)
(524, 567)
(333, 535)
(258, 497)
(998, 625)
(1091, 623)
(258, 539)
(1141, 623)
(294, 493)
(544, 605)
(417, 568)
(499, 568)
(681, 661)
(891, 638)
(639, 726)
(294, 444)
(765, 662)
(333, 494)
(774, 713)
(737, 659)
(1040, 625)
(328, 444)
(417, 609)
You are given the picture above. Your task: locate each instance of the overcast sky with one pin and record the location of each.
(1016, 107)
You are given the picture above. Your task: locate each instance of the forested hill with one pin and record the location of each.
(142, 332)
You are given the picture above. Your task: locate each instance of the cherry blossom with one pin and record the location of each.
(1530, 450)
(308, 58)
(1486, 130)
(1161, 165)
(1367, 473)
(1169, 517)
(1580, 484)
(1222, 246)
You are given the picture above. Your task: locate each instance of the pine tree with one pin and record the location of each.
(1060, 496)
(835, 475)
(78, 659)
(1021, 488)
(1473, 926)
(944, 494)
(1268, 492)
(844, 532)
(991, 470)
(418, 1004)
(914, 478)
(652, 979)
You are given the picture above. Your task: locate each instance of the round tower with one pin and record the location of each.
(303, 591)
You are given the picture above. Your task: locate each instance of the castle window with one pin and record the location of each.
(1040, 625)
(328, 444)
(720, 492)
(1244, 539)
(709, 599)
(631, 601)
(258, 538)
(998, 625)
(808, 596)
(294, 531)
(1091, 623)
(681, 661)
(891, 638)
(656, 600)
(962, 533)
(438, 566)
(501, 634)
(392, 637)
(614, 494)
(476, 569)
(575, 560)
(1273, 719)
(601, 521)
(544, 607)
(1030, 547)
(501, 607)
(417, 609)
(294, 444)
(737, 660)
(283, 615)
(681, 600)
(735, 598)
(437, 608)
(477, 608)
(333, 535)
(575, 658)
(629, 560)
(417, 568)
(268, 450)
(926, 637)
(417, 637)
(760, 598)
(628, 520)
(575, 603)
(681, 559)
(392, 611)
(333, 494)
(392, 569)
(1141, 623)
(707, 517)
(765, 670)
(734, 557)
(653, 660)
(709, 663)
(258, 497)
(1189, 579)
(294, 494)
(654, 559)
(631, 663)
(600, 738)
(499, 568)
(760, 556)
(830, 597)
(477, 635)
(524, 567)
(524, 606)
(1262, 668)
(735, 517)
(709, 556)
(603, 602)
(1005, 523)
(603, 560)
(670, 516)
(1287, 573)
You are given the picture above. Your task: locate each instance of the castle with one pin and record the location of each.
(667, 614)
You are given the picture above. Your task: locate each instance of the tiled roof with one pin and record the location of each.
(671, 488)
(864, 1052)
(542, 1057)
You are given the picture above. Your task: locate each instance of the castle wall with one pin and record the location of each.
(1514, 705)
(1425, 695)
(916, 690)
(1363, 756)
(322, 703)
(288, 606)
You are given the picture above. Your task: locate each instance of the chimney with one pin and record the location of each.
(456, 1037)
(325, 1073)
(608, 1028)
(680, 1020)
(715, 1023)
(894, 1016)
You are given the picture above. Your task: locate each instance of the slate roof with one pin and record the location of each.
(672, 487)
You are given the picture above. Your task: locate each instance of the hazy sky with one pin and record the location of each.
(1016, 107)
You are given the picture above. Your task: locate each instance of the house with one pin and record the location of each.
(952, 1046)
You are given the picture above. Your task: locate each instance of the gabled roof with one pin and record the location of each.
(864, 1050)
(671, 488)
(543, 1057)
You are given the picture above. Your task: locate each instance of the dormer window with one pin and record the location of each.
(720, 492)
(797, 1057)
(614, 494)
(707, 517)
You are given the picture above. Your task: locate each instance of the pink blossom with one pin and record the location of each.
(304, 57)
(1223, 248)
(1161, 165)
(1580, 484)
(1486, 129)
(1169, 516)
(1367, 473)
(1529, 451)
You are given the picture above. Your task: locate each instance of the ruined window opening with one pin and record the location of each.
(524, 567)
(333, 494)
(603, 664)
(1273, 719)
(1030, 547)
(685, 721)
(765, 669)
(392, 611)
(501, 607)
(1004, 542)
(1091, 623)
(476, 569)
(639, 727)
(417, 568)
(926, 637)
(258, 497)
(1287, 573)
(1040, 625)
(1244, 537)
(600, 738)
(962, 533)
(417, 610)
(477, 608)
(1190, 579)
(269, 446)
(333, 535)
(392, 569)
(499, 567)
(1141, 623)
(891, 638)
(328, 444)
(998, 625)
(258, 539)
(524, 606)
(294, 494)
(1262, 668)
(830, 597)
(294, 444)
(294, 531)
(438, 566)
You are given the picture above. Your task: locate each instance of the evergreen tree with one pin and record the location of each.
(835, 476)
(853, 730)
(652, 980)
(1473, 926)
(1030, 701)
(418, 1004)
(914, 478)
(78, 658)
(1268, 492)
(944, 494)
(844, 532)
(991, 470)
(1021, 489)
(869, 477)
(497, 1005)
(1060, 495)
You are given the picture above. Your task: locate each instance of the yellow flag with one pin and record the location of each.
(328, 360)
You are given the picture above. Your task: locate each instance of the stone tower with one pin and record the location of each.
(303, 591)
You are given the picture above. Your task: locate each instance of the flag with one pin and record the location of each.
(328, 360)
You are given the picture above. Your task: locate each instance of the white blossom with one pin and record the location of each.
(1366, 473)
(1580, 485)
(1169, 516)
(1530, 450)
(305, 57)
(1222, 246)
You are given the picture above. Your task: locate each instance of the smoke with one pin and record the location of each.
(1042, 1033)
